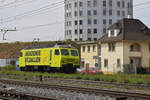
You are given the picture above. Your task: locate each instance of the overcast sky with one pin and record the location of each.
(47, 20)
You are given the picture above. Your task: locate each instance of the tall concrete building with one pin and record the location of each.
(89, 19)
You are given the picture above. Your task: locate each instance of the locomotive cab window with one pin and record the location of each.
(74, 52)
(56, 52)
(64, 52)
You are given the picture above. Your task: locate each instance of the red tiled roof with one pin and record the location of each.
(12, 50)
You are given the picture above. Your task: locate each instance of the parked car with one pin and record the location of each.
(92, 70)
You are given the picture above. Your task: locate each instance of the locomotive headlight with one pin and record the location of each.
(64, 61)
(76, 61)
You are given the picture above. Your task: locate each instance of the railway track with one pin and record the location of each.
(122, 95)
(25, 97)
(11, 94)
(96, 83)
(100, 83)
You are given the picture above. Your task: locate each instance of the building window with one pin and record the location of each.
(89, 21)
(76, 22)
(135, 61)
(70, 5)
(69, 14)
(76, 39)
(118, 63)
(67, 32)
(112, 33)
(105, 62)
(89, 12)
(104, 3)
(81, 13)
(81, 22)
(95, 39)
(81, 31)
(70, 23)
(94, 3)
(118, 3)
(123, 4)
(83, 49)
(95, 30)
(81, 4)
(128, 5)
(110, 21)
(104, 12)
(123, 13)
(89, 48)
(104, 30)
(75, 4)
(76, 31)
(81, 39)
(75, 13)
(70, 32)
(89, 39)
(110, 3)
(95, 21)
(104, 21)
(94, 48)
(89, 3)
(118, 12)
(111, 46)
(89, 31)
(66, 6)
(110, 12)
(95, 12)
(135, 47)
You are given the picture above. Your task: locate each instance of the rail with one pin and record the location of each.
(103, 92)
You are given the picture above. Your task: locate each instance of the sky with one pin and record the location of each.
(44, 19)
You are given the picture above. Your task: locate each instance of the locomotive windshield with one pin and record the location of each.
(74, 52)
(65, 52)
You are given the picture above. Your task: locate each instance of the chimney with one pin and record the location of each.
(129, 17)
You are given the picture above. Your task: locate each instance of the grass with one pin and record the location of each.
(120, 78)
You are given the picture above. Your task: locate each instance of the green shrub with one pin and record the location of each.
(10, 68)
(78, 77)
(140, 81)
(96, 79)
(148, 82)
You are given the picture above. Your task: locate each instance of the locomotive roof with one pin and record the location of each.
(48, 46)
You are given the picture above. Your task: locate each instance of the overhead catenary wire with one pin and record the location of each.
(18, 4)
(31, 14)
(11, 3)
(51, 6)
(11, 18)
(41, 25)
(141, 4)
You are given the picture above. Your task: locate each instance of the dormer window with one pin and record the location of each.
(113, 33)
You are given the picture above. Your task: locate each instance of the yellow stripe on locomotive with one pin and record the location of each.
(61, 58)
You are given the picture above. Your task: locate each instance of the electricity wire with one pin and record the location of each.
(51, 6)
